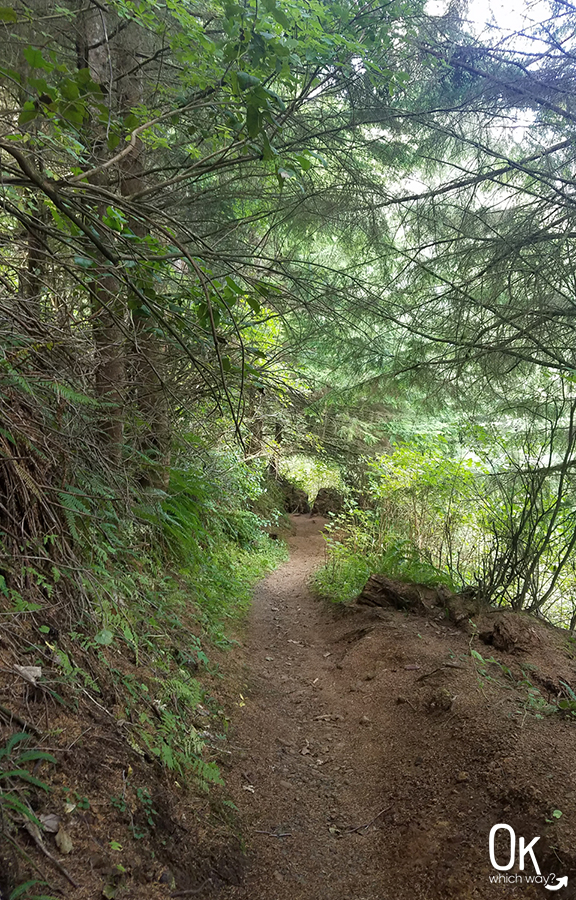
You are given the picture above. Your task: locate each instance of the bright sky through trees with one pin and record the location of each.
(510, 16)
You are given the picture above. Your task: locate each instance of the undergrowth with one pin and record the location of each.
(155, 587)
(165, 599)
(415, 519)
(350, 561)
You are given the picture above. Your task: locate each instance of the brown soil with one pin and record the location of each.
(372, 753)
(136, 830)
(369, 754)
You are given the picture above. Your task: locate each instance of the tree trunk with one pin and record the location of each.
(30, 274)
(150, 350)
(95, 53)
(255, 422)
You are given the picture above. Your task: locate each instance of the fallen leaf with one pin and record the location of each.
(51, 822)
(31, 674)
(248, 787)
(64, 842)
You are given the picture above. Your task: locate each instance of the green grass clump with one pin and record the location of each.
(348, 568)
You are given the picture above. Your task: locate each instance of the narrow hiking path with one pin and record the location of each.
(358, 779)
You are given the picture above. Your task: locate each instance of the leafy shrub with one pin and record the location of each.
(347, 570)
(422, 523)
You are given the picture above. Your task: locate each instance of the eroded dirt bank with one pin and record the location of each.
(373, 756)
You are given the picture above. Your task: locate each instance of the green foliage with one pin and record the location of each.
(527, 510)
(567, 704)
(16, 780)
(137, 802)
(211, 252)
(421, 523)
(430, 496)
(27, 891)
(483, 510)
(311, 473)
(181, 566)
(167, 730)
(344, 575)
(492, 670)
(348, 568)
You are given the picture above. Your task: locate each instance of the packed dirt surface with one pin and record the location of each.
(369, 753)
(372, 751)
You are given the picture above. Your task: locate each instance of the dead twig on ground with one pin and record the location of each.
(191, 891)
(10, 717)
(277, 834)
(371, 822)
(446, 665)
(429, 674)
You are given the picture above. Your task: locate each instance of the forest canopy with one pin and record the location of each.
(240, 236)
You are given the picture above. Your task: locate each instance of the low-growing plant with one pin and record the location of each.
(163, 587)
(15, 779)
(494, 670)
(27, 891)
(16, 783)
(567, 704)
(348, 567)
(141, 803)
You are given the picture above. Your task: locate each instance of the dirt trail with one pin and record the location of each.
(339, 730)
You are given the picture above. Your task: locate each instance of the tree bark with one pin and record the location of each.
(149, 349)
(95, 53)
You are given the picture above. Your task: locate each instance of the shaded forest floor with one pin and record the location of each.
(372, 752)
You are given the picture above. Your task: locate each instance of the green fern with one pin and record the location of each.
(207, 773)
(74, 511)
(72, 396)
(183, 691)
